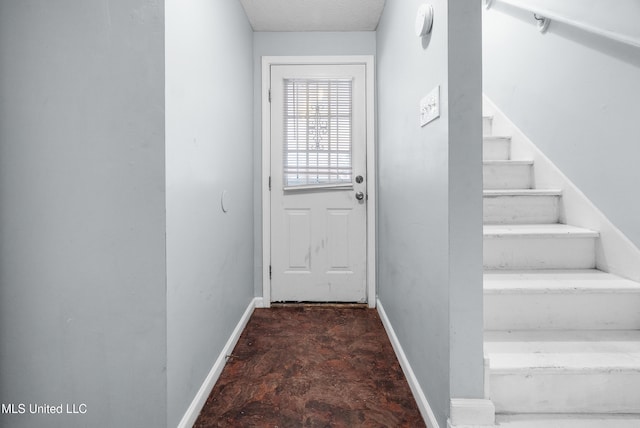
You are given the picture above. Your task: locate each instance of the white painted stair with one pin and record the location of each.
(565, 371)
(562, 337)
(525, 206)
(496, 148)
(538, 246)
(507, 174)
(568, 421)
(559, 299)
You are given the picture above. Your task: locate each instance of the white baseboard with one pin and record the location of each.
(471, 413)
(200, 399)
(423, 405)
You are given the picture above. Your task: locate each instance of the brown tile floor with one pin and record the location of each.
(312, 366)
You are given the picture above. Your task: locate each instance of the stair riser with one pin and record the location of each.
(569, 420)
(507, 176)
(487, 123)
(496, 150)
(520, 209)
(539, 253)
(597, 391)
(562, 311)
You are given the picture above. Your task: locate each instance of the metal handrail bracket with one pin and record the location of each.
(543, 16)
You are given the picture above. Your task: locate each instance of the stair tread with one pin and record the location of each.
(563, 362)
(562, 351)
(557, 280)
(568, 421)
(537, 231)
(507, 162)
(522, 192)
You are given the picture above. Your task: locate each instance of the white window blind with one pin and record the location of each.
(317, 132)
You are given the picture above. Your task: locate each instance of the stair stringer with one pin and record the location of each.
(615, 253)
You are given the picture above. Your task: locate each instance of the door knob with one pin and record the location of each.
(359, 196)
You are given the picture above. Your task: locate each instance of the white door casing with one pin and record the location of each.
(318, 239)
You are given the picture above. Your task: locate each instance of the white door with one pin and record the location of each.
(318, 183)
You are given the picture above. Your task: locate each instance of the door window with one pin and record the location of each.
(317, 133)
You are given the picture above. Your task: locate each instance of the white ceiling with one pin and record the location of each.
(313, 15)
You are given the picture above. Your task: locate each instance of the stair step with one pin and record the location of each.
(560, 299)
(538, 230)
(522, 192)
(564, 371)
(568, 421)
(496, 148)
(507, 174)
(538, 246)
(487, 124)
(521, 206)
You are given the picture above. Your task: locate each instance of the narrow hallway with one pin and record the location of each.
(312, 366)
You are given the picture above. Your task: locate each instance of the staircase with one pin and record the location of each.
(562, 338)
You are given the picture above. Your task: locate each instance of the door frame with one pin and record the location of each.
(368, 62)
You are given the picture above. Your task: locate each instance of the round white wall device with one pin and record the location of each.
(424, 20)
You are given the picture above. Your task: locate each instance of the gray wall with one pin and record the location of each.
(574, 95)
(465, 200)
(294, 44)
(430, 186)
(82, 264)
(209, 68)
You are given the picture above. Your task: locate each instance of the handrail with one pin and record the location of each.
(540, 13)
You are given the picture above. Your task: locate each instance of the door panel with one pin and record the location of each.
(299, 239)
(338, 239)
(318, 147)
